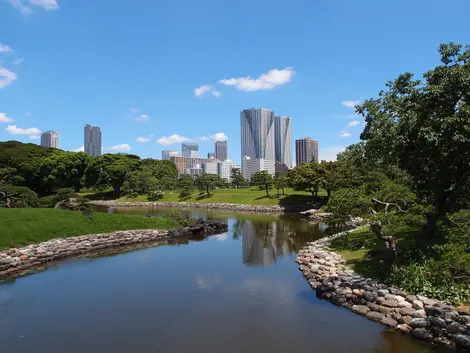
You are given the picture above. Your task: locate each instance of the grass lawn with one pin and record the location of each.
(356, 245)
(249, 196)
(24, 226)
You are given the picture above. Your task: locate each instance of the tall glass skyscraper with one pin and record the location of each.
(92, 140)
(306, 150)
(50, 139)
(221, 150)
(283, 140)
(257, 133)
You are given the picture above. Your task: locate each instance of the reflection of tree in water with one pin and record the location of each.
(265, 241)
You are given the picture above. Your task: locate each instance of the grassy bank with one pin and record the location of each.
(20, 227)
(248, 196)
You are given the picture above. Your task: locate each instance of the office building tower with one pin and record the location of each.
(283, 140)
(210, 167)
(184, 164)
(190, 150)
(167, 154)
(211, 155)
(306, 150)
(92, 140)
(257, 134)
(251, 166)
(224, 169)
(221, 150)
(50, 139)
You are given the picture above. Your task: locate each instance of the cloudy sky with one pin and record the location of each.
(153, 74)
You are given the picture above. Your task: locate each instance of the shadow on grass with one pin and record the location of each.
(302, 202)
(204, 197)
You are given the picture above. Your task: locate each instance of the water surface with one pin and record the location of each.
(236, 292)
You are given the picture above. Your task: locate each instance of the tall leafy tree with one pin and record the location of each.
(306, 176)
(423, 127)
(237, 178)
(207, 182)
(264, 180)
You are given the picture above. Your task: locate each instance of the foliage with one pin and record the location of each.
(306, 176)
(18, 196)
(207, 182)
(280, 182)
(263, 179)
(186, 186)
(344, 204)
(237, 178)
(424, 128)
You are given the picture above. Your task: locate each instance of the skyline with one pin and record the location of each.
(180, 73)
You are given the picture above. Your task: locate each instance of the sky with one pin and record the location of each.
(153, 74)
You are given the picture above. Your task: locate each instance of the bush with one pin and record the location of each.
(48, 201)
(22, 197)
(155, 195)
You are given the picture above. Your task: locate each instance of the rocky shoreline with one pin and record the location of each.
(423, 318)
(14, 261)
(208, 206)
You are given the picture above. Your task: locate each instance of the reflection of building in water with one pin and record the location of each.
(261, 244)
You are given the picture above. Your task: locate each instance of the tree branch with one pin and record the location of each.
(387, 205)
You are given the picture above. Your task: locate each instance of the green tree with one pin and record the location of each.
(423, 128)
(186, 186)
(111, 170)
(306, 176)
(207, 182)
(280, 182)
(237, 178)
(263, 179)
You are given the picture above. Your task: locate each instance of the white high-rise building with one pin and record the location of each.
(283, 140)
(224, 169)
(190, 150)
(306, 150)
(210, 167)
(252, 166)
(167, 154)
(257, 134)
(50, 139)
(93, 140)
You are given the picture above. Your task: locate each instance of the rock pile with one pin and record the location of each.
(209, 206)
(423, 318)
(15, 260)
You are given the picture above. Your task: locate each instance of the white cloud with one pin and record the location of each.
(6, 77)
(144, 139)
(350, 104)
(47, 5)
(330, 153)
(216, 94)
(220, 136)
(14, 130)
(18, 61)
(354, 123)
(133, 110)
(79, 149)
(118, 148)
(172, 139)
(269, 80)
(344, 133)
(35, 137)
(199, 92)
(5, 119)
(5, 48)
(143, 117)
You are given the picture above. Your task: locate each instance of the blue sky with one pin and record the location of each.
(180, 70)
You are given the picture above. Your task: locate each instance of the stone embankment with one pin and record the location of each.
(13, 261)
(209, 206)
(423, 318)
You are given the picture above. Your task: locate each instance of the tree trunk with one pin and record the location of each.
(117, 189)
(267, 190)
(376, 228)
(207, 191)
(328, 192)
(439, 212)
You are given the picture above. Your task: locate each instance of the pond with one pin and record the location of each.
(235, 292)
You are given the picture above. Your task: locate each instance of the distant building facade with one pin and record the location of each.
(190, 150)
(224, 169)
(50, 139)
(283, 140)
(251, 166)
(257, 134)
(221, 150)
(210, 167)
(281, 168)
(184, 164)
(306, 150)
(92, 140)
(167, 154)
(211, 155)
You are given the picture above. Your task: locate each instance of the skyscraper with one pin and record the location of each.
(190, 150)
(167, 154)
(257, 134)
(221, 150)
(93, 140)
(50, 139)
(306, 150)
(283, 140)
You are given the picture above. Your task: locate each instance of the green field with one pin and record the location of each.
(24, 226)
(247, 196)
